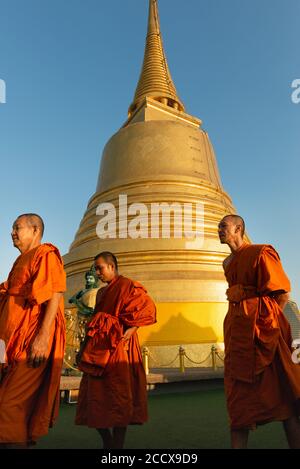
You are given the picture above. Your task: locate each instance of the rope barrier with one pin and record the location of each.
(198, 363)
(221, 358)
(163, 366)
(182, 355)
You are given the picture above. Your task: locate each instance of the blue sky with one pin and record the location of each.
(71, 67)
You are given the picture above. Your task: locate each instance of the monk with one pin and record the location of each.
(113, 392)
(262, 384)
(32, 329)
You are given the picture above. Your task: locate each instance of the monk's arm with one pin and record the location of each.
(81, 349)
(281, 298)
(129, 332)
(40, 345)
(139, 310)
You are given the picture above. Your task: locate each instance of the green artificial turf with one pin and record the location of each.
(195, 419)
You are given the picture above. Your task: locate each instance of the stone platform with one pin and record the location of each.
(69, 385)
(172, 375)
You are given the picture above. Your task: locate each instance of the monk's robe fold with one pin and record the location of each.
(113, 388)
(29, 397)
(104, 332)
(261, 381)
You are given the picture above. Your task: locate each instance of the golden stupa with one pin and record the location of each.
(161, 155)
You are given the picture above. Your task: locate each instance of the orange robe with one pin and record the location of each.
(113, 389)
(262, 383)
(29, 397)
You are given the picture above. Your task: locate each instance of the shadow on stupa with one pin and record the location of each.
(179, 330)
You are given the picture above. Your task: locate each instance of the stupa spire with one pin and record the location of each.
(155, 79)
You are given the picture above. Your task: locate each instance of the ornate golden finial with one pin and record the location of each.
(155, 79)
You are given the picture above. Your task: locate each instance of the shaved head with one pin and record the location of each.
(109, 258)
(34, 220)
(238, 221)
(106, 266)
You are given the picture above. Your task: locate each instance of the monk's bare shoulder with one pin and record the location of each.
(99, 293)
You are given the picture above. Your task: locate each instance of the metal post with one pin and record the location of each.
(214, 357)
(181, 359)
(145, 354)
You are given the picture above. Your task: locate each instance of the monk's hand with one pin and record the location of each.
(236, 293)
(78, 356)
(81, 349)
(128, 333)
(281, 298)
(39, 350)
